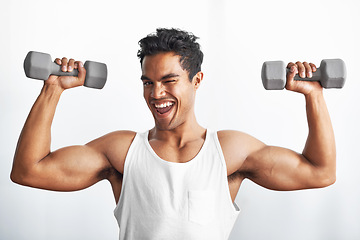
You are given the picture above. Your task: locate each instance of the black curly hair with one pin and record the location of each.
(180, 42)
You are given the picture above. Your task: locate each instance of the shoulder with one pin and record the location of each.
(118, 138)
(124, 136)
(226, 135)
(236, 147)
(114, 146)
(231, 138)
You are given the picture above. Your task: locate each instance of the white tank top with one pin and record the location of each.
(175, 201)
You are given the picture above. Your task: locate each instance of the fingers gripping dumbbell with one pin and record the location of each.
(40, 66)
(330, 74)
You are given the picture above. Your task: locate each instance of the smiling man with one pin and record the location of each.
(178, 180)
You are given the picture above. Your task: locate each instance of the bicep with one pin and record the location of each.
(281, 169)
(68, 169)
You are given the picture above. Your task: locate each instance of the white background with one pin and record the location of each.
(236, 38)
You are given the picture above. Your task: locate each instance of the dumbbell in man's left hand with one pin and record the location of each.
(304, 70)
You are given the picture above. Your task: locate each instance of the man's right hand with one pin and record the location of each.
(66, 82)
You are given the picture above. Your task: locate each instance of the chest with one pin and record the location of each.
(175, 153)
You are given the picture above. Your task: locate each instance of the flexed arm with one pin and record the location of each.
(283, 169)
(66, 169)
(320, 149)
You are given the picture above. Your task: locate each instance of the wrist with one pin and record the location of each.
(314, 94)
(51, 91)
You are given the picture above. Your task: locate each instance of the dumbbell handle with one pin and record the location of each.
(56, 70)
(316, 76)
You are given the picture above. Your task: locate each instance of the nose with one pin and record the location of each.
(158, 91)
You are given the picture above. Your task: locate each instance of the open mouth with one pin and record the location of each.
(163, 107)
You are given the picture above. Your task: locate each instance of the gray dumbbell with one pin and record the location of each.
(330, 74)
(39, 65)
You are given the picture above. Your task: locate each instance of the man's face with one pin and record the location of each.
(168, 91)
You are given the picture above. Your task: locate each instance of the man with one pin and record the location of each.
(177, 180)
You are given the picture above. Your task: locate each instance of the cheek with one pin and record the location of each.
(146, 92)
(187, 97)
(146, 96)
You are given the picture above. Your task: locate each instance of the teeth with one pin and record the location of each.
(162, 105)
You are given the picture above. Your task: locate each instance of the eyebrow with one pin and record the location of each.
(167, 76)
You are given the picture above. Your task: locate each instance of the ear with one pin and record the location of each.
(197, 80)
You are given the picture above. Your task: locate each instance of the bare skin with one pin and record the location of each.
(176, 137)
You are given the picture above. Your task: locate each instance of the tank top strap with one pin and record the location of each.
(136, 143)
(218, 147)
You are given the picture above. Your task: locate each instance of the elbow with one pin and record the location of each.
(329, 174)
(16, 174)
(20, 177)
(21, 173)
(332, 179)
(17, 178)
(327, 179)
(325, 174)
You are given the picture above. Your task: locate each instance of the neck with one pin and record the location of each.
(185, 132)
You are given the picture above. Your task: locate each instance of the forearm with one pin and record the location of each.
(35, 138)
(320, 148)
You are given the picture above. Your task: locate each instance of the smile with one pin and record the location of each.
(163, 107)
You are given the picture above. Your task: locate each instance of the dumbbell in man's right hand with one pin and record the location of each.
(73, 73)
(40, 66)
(67, 79)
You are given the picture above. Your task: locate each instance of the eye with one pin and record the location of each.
(147, 83)
(170, 81)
